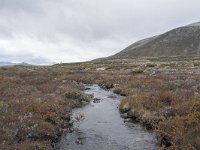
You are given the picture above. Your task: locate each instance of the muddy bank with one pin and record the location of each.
(150, 124)
(99, 125)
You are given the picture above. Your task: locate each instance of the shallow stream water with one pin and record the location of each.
(103, 129)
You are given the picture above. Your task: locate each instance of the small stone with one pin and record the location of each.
(125, 115)
(71, 122)
(96, 100)
(128, 120)
(84, 102)
(87, 88)
(78, 142)
(70, 130)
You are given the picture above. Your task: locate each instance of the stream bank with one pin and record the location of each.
(99, 125)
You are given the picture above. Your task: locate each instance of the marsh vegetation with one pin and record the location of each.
(162, 94)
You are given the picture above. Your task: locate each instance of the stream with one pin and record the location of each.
(102, 128)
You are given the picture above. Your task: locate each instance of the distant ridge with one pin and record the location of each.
(182, 41)
(7, 64)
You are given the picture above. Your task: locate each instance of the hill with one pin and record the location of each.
(7, 64)
(182, 41)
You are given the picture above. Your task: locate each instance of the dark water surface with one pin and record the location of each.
(104, 129)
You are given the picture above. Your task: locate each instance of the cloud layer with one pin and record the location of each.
(43, 31)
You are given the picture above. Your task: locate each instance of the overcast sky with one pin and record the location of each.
(44, 31)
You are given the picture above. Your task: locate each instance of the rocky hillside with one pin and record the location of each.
(182, 41)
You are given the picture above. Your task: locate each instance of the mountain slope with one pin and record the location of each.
(183, 41)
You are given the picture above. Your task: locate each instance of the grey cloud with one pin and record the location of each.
(17, 6)
(92, 27)
(28, 58)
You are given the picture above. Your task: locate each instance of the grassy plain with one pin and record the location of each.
(160, 93)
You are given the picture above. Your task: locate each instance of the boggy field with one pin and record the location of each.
(162, 94)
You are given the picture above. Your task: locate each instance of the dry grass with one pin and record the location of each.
(34, 105)
(33, 100)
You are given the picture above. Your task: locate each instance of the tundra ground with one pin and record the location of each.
(161, 93)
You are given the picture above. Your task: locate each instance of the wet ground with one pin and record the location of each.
(98, 126)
